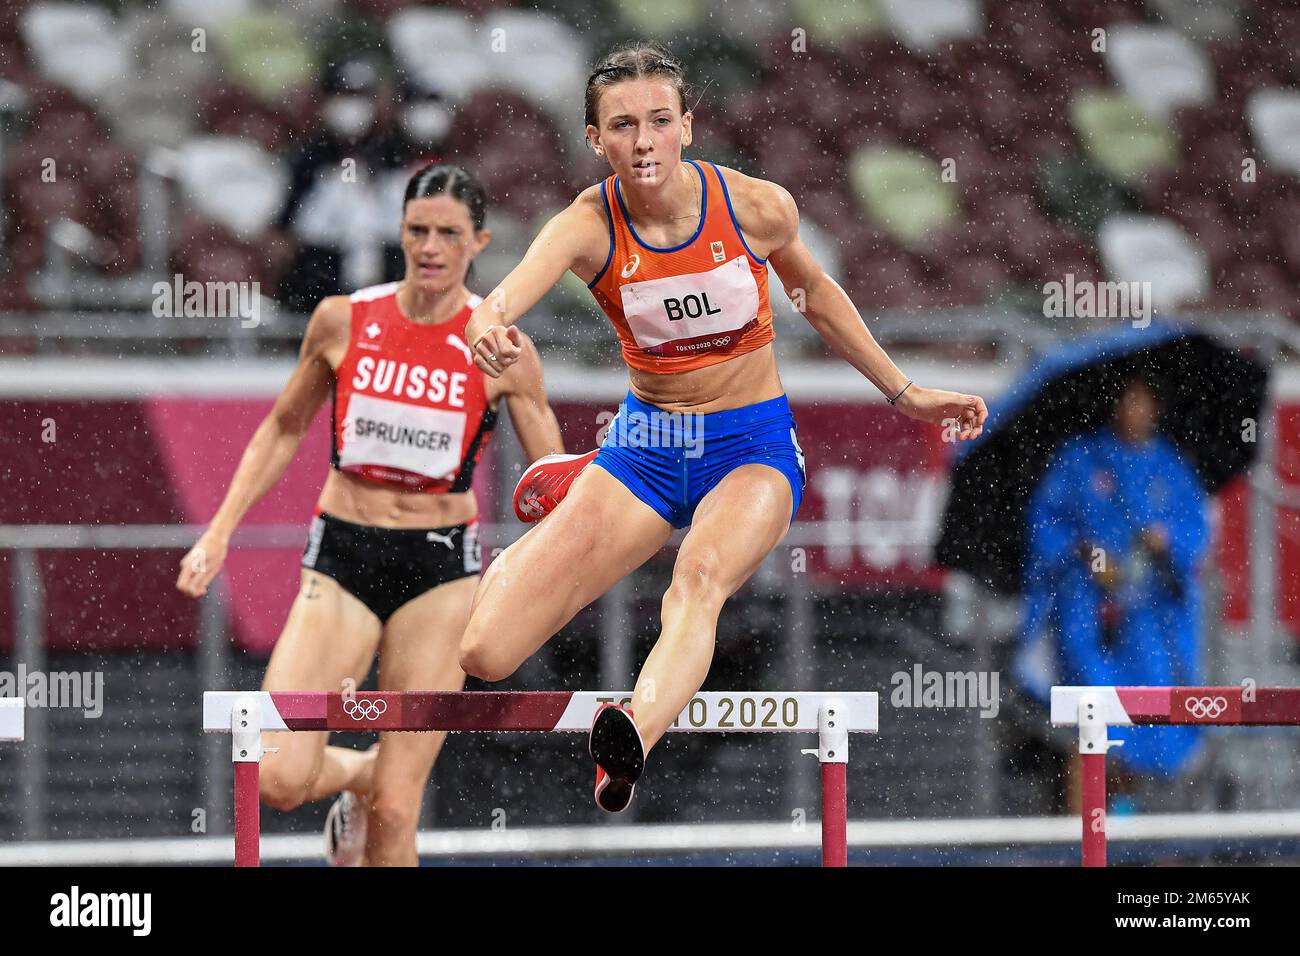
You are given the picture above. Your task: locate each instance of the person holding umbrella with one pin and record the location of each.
(1087, 498)
(1117, 529)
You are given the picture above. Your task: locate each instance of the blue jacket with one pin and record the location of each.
(1102, 490)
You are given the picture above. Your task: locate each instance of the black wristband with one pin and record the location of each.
(899, 395)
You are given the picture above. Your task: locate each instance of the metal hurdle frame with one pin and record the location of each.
(1096, 709)
(246, 714)
(12, 723)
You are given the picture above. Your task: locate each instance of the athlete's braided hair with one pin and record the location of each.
(633, 61)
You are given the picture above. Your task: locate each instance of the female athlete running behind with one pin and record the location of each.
(392, 557)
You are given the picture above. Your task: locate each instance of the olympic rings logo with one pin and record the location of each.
(1205, 707)
(364, 709)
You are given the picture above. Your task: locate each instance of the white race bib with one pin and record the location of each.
(705, 306)
(425, 441)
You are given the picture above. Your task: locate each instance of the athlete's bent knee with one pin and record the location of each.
(479, 659)
(696, 579)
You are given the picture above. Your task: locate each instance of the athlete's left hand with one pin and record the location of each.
(962, 416)
(497, 349)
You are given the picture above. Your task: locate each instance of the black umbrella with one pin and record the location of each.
(1206, 390)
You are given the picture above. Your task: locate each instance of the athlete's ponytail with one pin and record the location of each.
(633, 61)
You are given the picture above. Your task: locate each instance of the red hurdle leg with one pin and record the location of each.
(1092, 750)
(833, 754)
(246, 752)
(835, 823)
(1094, 809)
(248, 813)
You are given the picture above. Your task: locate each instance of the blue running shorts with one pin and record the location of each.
(671, 460)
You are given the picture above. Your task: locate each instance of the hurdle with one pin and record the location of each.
(245, 715)
(12, 711)
(1094, 710)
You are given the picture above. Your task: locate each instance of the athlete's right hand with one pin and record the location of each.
(497, 349)
(201, 564)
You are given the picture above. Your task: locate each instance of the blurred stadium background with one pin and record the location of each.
(949, 157)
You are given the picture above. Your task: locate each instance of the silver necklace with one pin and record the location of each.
(691, 215)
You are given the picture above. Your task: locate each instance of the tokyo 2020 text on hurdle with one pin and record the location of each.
(246, 714)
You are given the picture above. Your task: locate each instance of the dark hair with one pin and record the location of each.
(632, 61)
(440, 179)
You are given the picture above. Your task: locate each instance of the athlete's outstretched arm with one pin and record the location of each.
(562, 242)
(530, 411)
(769, 213)
(272, 446)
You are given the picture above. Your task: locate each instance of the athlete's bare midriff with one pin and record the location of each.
(363, 501)
(734, 383)
(743, 380)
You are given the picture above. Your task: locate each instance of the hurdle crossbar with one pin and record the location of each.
(246, 714)
(12, 711)
(1096, 709)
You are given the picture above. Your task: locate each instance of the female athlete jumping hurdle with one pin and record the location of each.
(675, 252)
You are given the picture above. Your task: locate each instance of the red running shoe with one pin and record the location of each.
(615, 744)
(545, 482)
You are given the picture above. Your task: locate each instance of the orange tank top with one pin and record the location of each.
(689, 306)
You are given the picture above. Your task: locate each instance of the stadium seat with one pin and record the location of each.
(1263, 285)
(1201, 19)
(926, 24)
(790, 155)
(831, 206)
(162, 50)
(659, 19)
(761, 22)
(836, 21)
(1275, 127)
(1159, 68)
(1285, 215)
(77, 45)
(442, 50)
(10, 16)
(1204, 221)
(1216, 164)
(902, 191)
(1119, 136)
(207, 13)
(236, 111)
(61, 128)
(149, 113)
(889, 279)
(1153, 249)
(733, 65)
(233, 182)
(1075, 194)
(543, 58)
(267, 53)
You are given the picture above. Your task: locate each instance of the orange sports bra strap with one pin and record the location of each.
(731, 214)
(606, 188)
